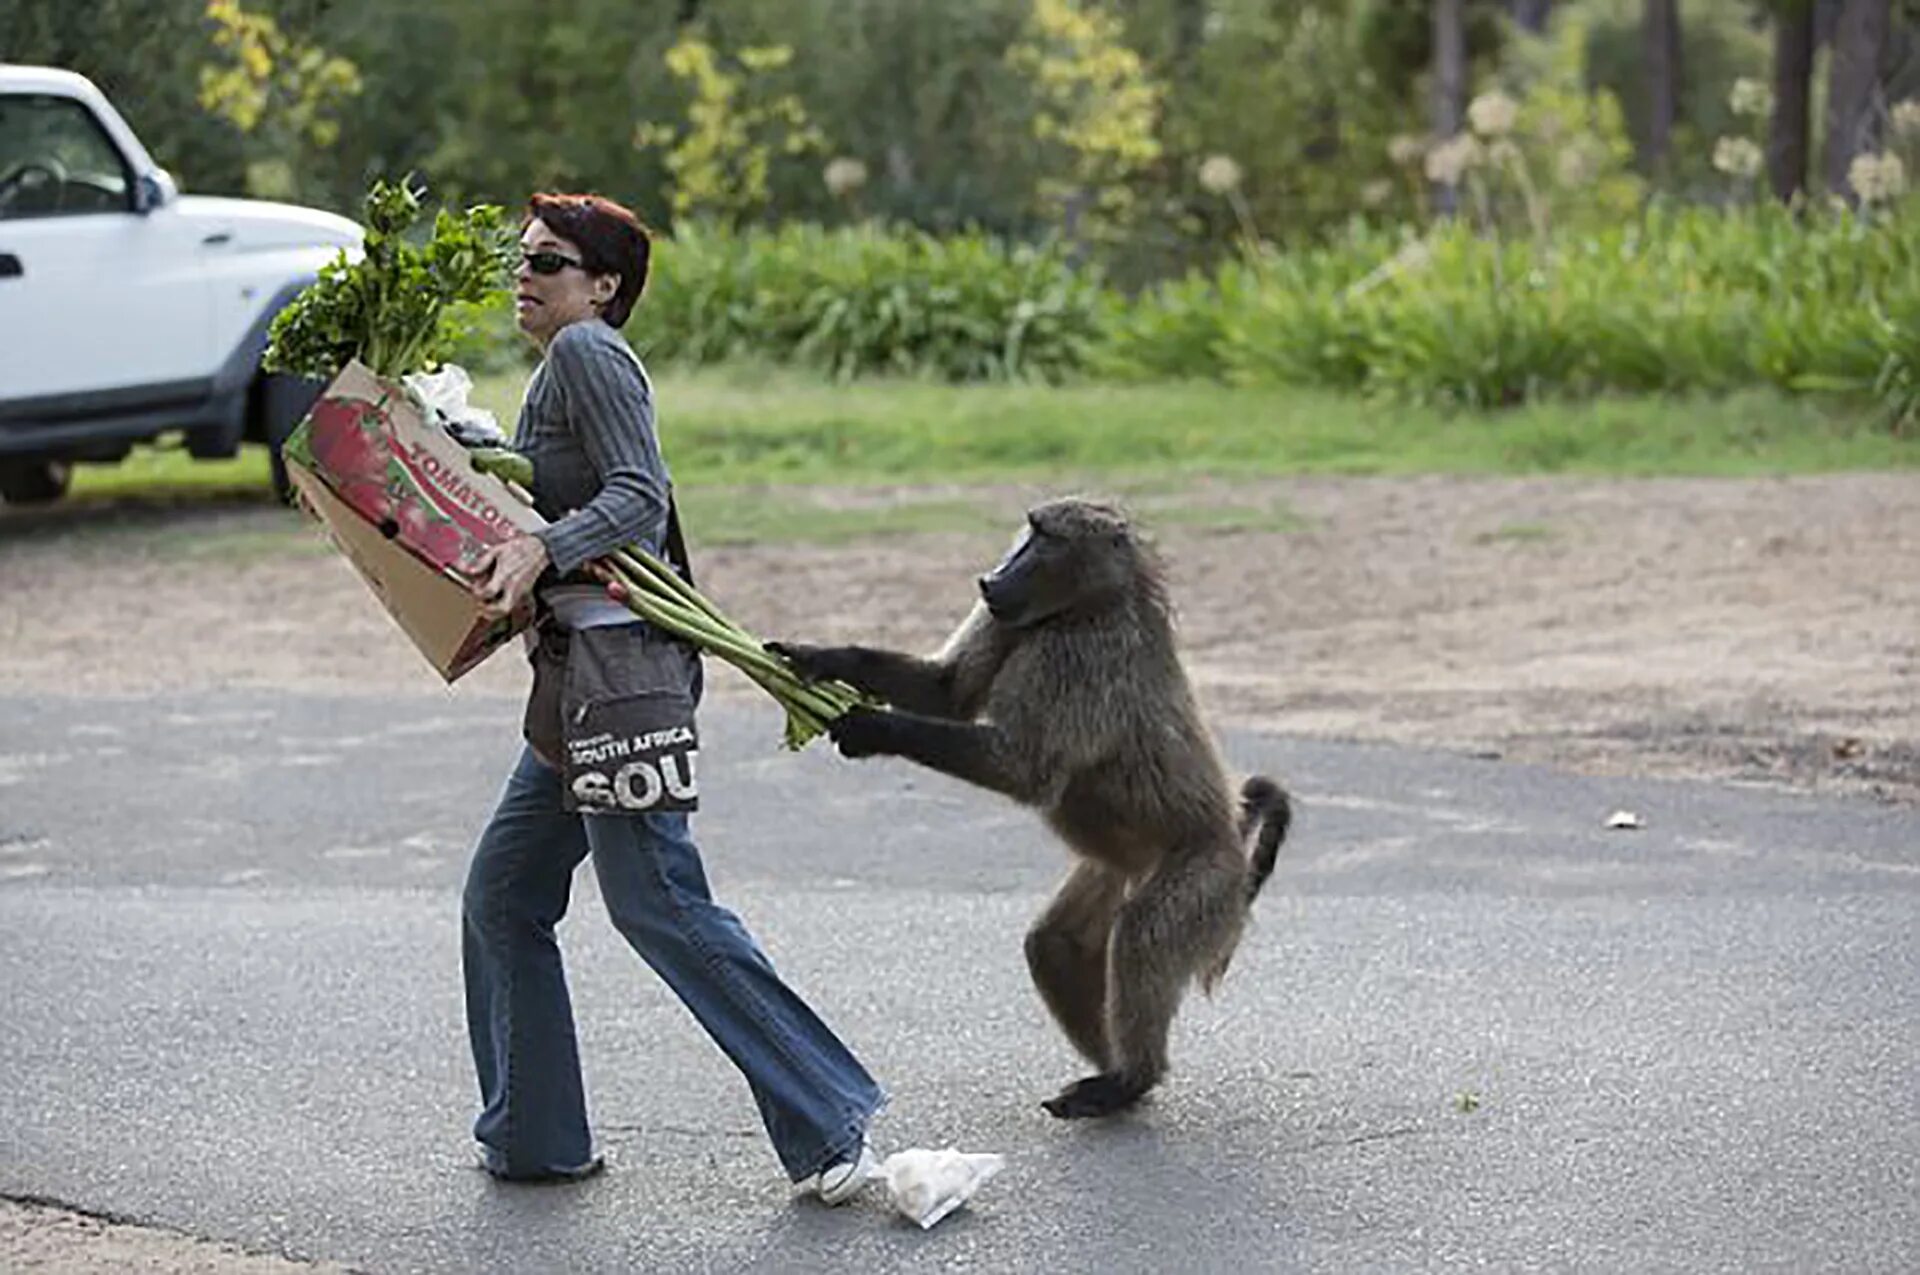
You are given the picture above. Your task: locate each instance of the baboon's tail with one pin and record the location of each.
(1265, 814)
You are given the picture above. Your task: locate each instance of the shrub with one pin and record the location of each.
(864, 300)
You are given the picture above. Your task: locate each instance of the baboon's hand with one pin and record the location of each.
(815, 663)
(862, 732)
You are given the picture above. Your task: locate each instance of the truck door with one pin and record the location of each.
(94, 298)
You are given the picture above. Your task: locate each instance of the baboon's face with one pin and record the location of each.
(1069, 555)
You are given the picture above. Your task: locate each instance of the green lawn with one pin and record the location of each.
(747, 443)
(166, 472)
(755, 426)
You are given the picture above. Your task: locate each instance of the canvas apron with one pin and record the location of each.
(613, 698)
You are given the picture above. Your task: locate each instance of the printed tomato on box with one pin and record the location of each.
(428, 502)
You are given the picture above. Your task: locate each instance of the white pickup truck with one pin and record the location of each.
(127, 309)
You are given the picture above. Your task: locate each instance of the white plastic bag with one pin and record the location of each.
(444, 394)
(928, 1185)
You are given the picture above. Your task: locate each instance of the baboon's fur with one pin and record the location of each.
(1063, 690)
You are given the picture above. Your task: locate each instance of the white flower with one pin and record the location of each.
(1493, 114)
(1503, 152)
(1751, 97)
(1415, 254)
(1405, 149)
(1877, 179)
(1576, 166)
(1448, 162)
(1219, 174)
(1738, 157)
(1906, 117)
(1376, 192)
(1893, 176)
(844, 176)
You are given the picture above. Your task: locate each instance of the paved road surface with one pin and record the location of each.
(228, 939)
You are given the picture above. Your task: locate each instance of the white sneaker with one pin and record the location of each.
(838, 1183)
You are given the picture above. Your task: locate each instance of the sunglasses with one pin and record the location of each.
(549, 262)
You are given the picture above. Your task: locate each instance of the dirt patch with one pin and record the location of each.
(1762, 630)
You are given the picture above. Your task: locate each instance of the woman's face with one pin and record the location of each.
(545, 303)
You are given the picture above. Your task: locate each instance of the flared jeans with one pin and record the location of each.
(814, 1096)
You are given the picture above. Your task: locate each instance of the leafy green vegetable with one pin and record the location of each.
(400, 307)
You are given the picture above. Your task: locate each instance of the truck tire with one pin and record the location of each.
(281, 402)
(277, 467)
(34, 482)
(218, 442)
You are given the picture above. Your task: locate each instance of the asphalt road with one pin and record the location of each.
(1472, 1027)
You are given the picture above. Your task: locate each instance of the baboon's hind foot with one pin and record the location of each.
(1093, 1096)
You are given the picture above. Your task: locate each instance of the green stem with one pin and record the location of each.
(657, 593)
(646, 566)
(692, 625)
(740, 650)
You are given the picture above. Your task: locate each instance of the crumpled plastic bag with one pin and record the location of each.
(927, 1185)
(444, 394)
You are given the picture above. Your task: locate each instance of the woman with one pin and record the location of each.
(587, 423)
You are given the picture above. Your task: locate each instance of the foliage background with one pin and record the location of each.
(1242, 190)
(489, 99)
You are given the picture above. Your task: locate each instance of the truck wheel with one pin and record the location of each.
(34, 482)
(277, 466)
(281, 403)
(215, 442)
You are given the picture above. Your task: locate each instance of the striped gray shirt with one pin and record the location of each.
(587, 425)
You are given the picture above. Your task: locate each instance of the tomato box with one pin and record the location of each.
(401, 501)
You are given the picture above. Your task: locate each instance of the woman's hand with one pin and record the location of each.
(504, 574)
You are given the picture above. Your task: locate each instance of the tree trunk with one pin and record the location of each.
(1787, 131)
(1826, 20)
(1662, 36)
(1853, 88)
(1449, 81)
(1531, 15)
(1189, 30)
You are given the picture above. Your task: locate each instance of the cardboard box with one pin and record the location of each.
(367, 440)
(401, 501)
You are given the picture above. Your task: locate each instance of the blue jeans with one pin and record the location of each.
(814, 1097)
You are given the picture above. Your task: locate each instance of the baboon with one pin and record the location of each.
(1062, 689)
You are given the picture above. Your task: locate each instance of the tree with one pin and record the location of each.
(1531, 15)
(1449, 106)
(1661, 32)
(286, 90)
(1853, 89)
(146, 56)
(1788, 129)
(1097, 113)
(1189, 29)
(736, 127)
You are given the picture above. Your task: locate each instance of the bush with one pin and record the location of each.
(864, 300)
(1676, 300)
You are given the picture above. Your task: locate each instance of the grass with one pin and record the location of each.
(749, 425)
(750, 447)
(166, 470)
